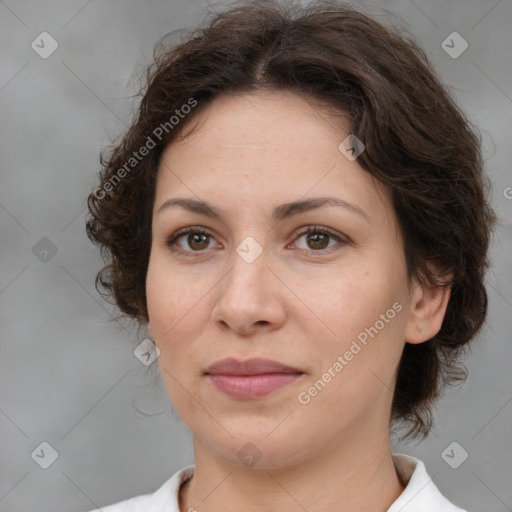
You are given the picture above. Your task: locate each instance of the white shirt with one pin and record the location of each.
(419, 495)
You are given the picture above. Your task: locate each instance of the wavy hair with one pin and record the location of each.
(418, 142)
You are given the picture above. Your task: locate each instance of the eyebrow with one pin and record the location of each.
(279, 213)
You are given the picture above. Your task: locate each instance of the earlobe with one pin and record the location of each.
(428, 308)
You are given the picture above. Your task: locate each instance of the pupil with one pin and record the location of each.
(192, 239)
(316, 239)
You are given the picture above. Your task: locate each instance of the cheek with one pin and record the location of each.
(167, 302)
(171, 313)
(362, 311)
(177, 309)
(354, 367)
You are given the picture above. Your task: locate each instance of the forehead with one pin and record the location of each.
(278, 121)
(266, 147)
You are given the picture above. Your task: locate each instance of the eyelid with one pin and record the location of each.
(170, 241)
(342, 239)
(323, 229)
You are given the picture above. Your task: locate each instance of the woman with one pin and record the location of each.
(298, 215)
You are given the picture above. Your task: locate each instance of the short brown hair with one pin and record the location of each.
(418, 142)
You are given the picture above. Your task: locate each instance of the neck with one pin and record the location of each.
(346, 476)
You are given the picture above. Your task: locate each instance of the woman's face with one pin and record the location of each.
(322, 290)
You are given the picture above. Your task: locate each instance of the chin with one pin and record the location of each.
(256, 450)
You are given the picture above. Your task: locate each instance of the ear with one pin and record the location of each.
(428, 307)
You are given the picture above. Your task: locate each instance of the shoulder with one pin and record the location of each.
(420, 493)
(164, 499)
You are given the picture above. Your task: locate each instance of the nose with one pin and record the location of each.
(249, 298)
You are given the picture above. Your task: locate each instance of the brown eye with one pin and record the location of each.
(198, 241)
(317, 240)
(189, 240)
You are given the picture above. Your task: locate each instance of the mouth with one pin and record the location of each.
(251, 379)
(255, 366)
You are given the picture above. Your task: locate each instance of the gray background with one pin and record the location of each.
(69, 376)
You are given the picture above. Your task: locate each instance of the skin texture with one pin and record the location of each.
(298, 303)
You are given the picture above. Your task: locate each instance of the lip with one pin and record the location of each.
(255, 366)
(251, 379)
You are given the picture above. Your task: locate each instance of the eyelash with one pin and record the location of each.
(171, 241)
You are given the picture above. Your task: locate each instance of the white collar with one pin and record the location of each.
(419, 495)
